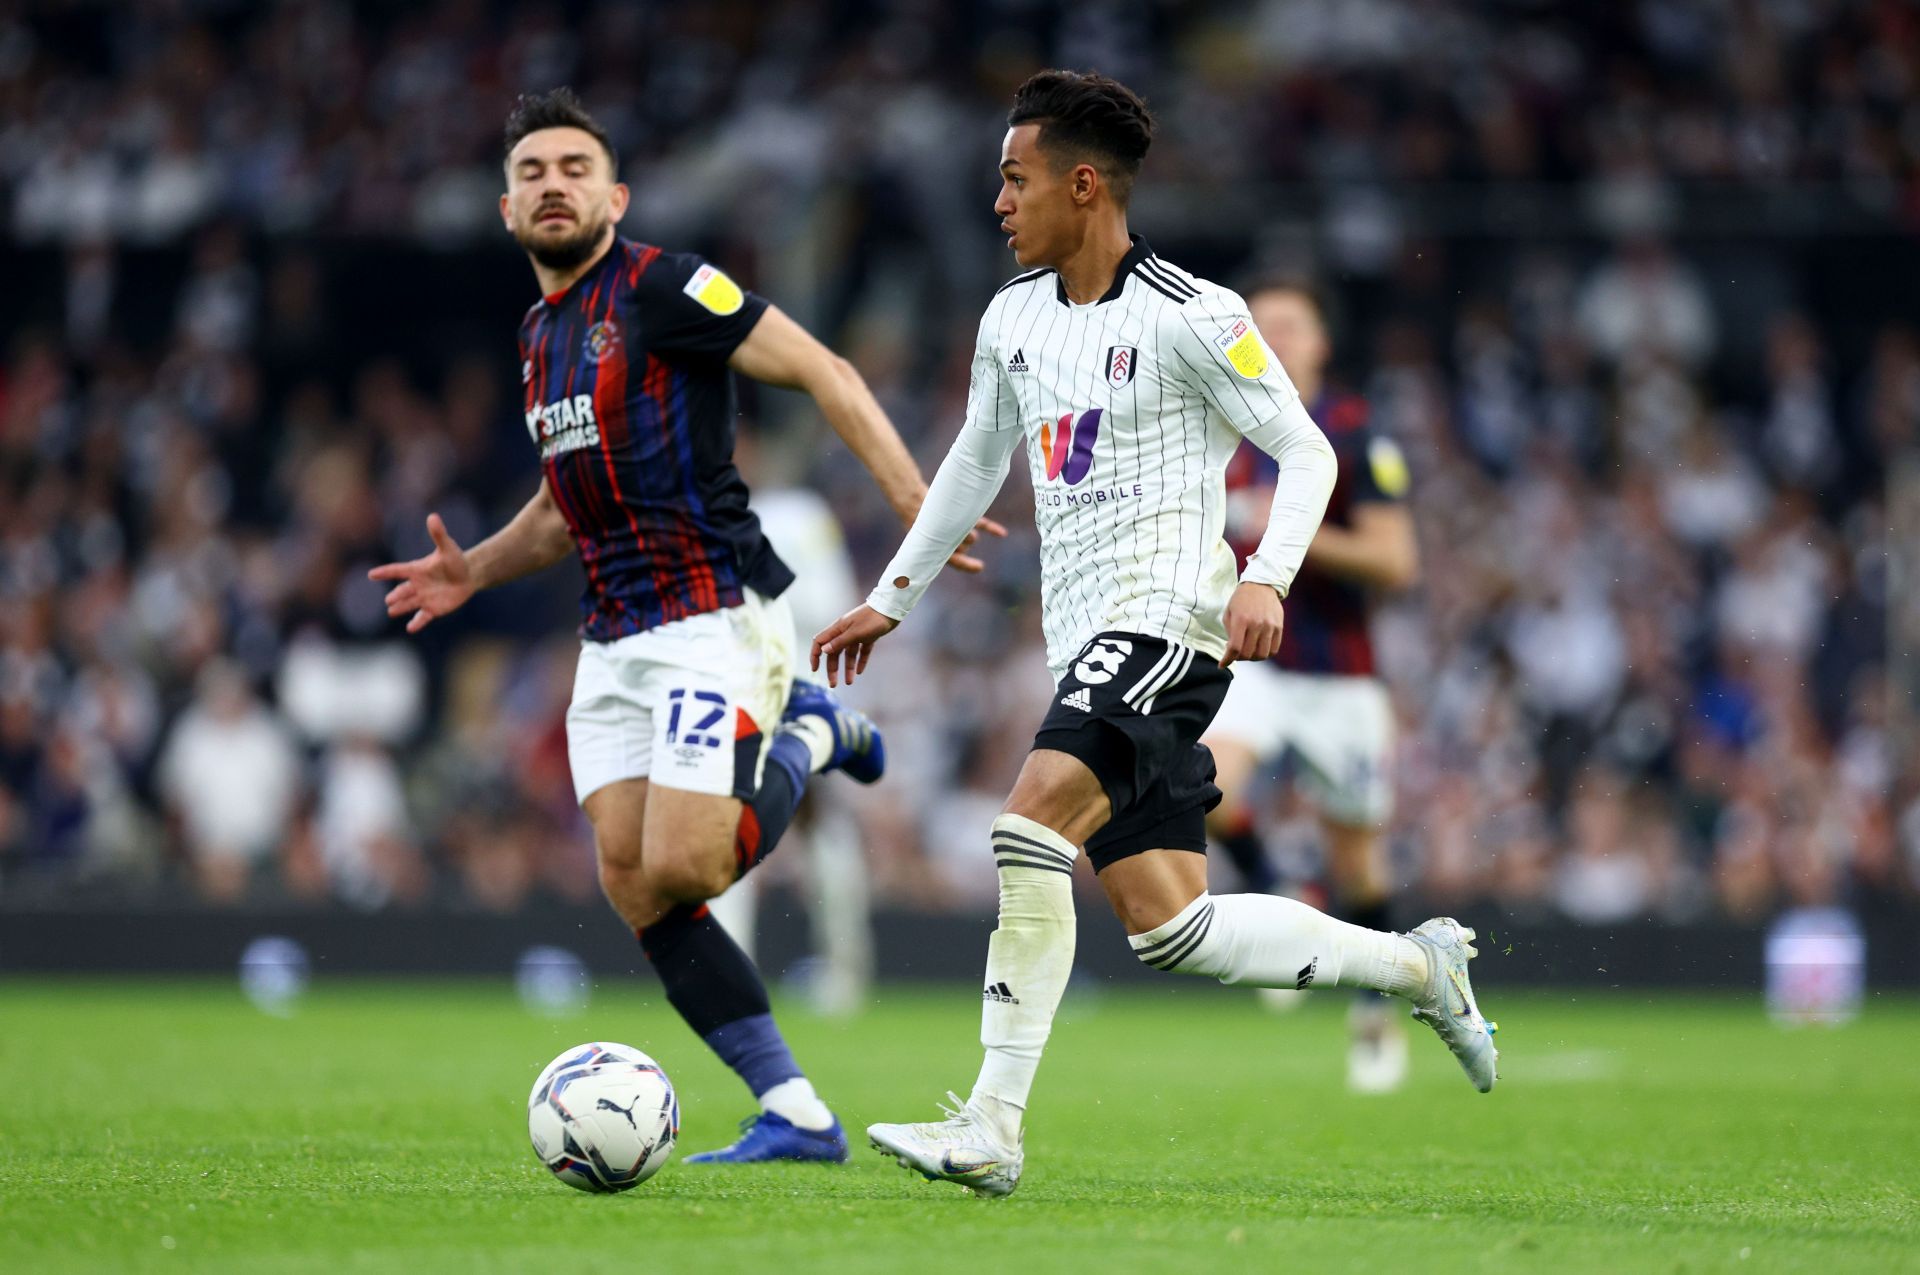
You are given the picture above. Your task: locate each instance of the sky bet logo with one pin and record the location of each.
(1067, 445)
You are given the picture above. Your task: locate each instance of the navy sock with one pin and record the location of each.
(783, 781)
(717, 990)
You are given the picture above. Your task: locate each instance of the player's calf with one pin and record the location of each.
(1264, 940)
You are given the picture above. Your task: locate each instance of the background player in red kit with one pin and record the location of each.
(687, 659)
(1320, 698)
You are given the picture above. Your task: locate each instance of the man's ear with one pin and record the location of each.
(1086, 181)
(506, 216)
(618, 199)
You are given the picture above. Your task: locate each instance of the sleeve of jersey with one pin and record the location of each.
(967, 481)
(689, 306)
(1223, 352)
(1380, 475)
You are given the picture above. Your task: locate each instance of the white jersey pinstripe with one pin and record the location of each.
(1129, 409)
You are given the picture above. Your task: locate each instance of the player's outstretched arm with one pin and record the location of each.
(440, 583)
(780, 352)
(847, 643)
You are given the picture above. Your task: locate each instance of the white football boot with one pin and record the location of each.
(1447, 1004)
(962, 1148)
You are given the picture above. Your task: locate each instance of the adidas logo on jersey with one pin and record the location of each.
(1018, 363)
(1079, 699)
(1000, 992)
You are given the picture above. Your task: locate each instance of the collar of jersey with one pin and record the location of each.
(615, 249)
(1135, 255)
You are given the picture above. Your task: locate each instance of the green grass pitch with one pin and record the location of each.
(167, 1126)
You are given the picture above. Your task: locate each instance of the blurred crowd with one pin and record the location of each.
(138, 120)
(1656, 472)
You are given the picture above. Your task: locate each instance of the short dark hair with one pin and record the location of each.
(556, 108)
(1085, 117)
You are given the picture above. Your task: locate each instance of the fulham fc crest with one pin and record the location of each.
(1122, 361)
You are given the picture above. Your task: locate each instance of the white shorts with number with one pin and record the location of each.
(689, 705)
(1340, 727)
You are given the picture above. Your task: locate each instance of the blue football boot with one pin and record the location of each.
(767, 1137)
(858, 748)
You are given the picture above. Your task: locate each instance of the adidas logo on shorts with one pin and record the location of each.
(1000, 992)
(1079, 699)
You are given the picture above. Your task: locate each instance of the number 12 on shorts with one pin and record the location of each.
(708, 707)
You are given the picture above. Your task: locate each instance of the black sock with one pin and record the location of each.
(1373, 916)
(1248, 851)
(717, 990)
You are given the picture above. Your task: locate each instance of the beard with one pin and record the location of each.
(564, 253)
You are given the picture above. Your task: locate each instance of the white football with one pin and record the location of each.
(603, 1117)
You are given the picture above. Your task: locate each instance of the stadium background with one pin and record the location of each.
(1631, 284)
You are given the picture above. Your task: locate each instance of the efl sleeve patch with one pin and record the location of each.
(711, 287)
(1389, 467)
(1246, 352)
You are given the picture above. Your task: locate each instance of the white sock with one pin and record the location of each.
(816, 735)
(1267, 941)
(1028, 960)
(796, 1102)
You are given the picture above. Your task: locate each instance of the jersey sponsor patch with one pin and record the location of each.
(1389, 467)
(1068, 445)
(1245, 351)
(711, 287)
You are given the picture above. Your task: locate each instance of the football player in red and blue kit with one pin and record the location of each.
(689, 738)
(1320, 698)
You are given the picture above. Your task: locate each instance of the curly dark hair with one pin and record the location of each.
(556, 108)
(1087, 118)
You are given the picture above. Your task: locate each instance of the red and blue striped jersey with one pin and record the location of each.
(630, 401)
(1327, 623)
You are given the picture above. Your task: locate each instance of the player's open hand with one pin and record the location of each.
(430, 587)
(964, 561)
(847, 643)
(1254, 621)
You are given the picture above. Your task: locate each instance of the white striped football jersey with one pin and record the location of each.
(1129, 409)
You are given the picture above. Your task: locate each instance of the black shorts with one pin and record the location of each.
(1133, 708)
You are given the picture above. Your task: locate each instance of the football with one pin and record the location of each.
(603, 1117)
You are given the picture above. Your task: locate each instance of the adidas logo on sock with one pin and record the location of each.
(1079, 699)
(1000, 992)
(1305, 979)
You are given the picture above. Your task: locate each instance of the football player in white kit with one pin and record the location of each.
(1130, 383)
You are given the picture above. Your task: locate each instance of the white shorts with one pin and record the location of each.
(690, 705)
(1340, 727)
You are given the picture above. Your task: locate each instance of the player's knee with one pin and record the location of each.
(1035, 870)
(691, 877)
